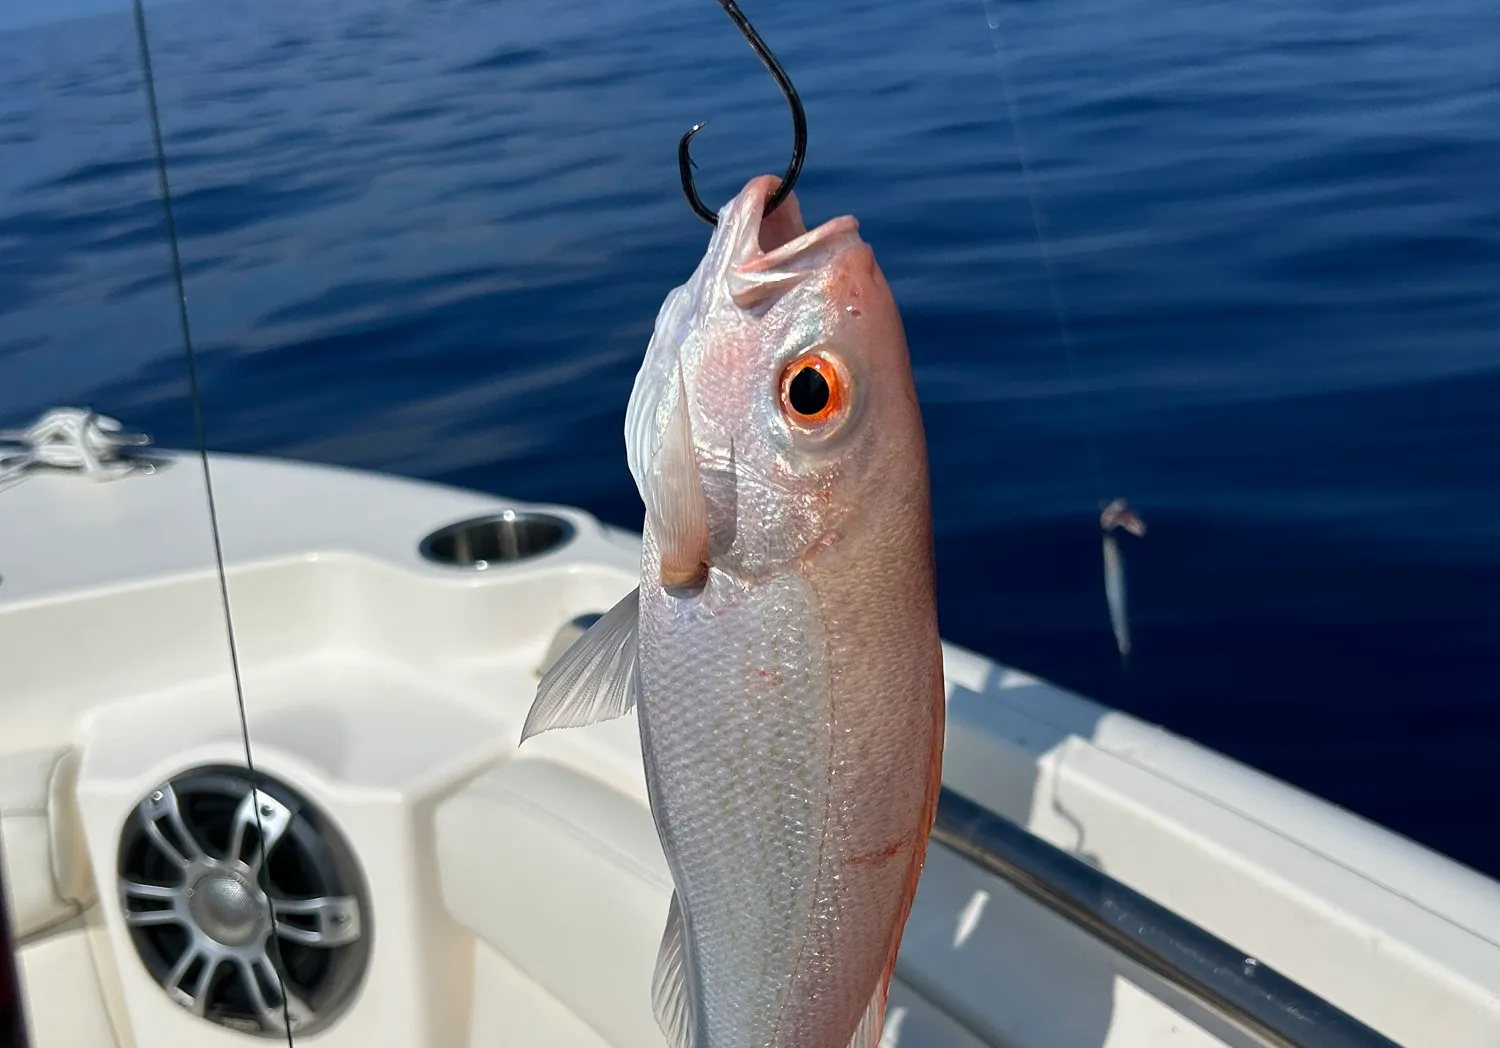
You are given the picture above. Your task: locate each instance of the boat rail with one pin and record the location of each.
(1239, 989)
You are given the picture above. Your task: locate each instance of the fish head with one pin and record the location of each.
(786, 352)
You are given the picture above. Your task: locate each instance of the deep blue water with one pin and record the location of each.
(431, 238)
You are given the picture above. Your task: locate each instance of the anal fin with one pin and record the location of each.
(867, 1034)
(669, 987)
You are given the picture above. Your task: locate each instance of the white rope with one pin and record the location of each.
(70, 438)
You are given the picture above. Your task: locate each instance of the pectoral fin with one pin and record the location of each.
(675, 504)
(594, 680)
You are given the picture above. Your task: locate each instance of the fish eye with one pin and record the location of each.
(815, 392)
(808, 392)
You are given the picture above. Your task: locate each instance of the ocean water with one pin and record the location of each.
(431, 238)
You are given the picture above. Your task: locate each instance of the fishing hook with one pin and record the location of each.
(685, 162)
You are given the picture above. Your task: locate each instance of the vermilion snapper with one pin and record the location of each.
(782, 648)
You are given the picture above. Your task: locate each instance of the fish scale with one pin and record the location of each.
(751, 760)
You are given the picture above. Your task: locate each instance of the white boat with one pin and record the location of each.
(1095, 882)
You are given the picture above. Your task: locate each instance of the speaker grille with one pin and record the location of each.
(223, 934)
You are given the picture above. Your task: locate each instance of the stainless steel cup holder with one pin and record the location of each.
(500, 538)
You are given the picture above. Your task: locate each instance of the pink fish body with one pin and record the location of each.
(782, 649)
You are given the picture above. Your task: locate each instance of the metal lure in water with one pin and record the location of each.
(1118, 515)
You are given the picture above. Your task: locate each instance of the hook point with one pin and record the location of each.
(685, 162)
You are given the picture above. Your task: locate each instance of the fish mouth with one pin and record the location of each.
(783, 232)
(777, 251)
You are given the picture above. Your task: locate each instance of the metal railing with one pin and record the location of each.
(1239, 989)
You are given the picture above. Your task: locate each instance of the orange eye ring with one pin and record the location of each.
(815, 392)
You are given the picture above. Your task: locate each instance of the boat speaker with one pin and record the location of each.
(260, 939)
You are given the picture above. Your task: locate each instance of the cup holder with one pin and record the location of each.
(500, 538)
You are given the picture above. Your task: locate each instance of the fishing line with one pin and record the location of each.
(148, 78)
(1039, 225)
(1115, 514)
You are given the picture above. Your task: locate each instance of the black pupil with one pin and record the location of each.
(808, 392)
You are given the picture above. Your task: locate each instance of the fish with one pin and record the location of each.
(781, 650)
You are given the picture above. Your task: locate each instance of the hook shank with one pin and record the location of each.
(685, 163)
